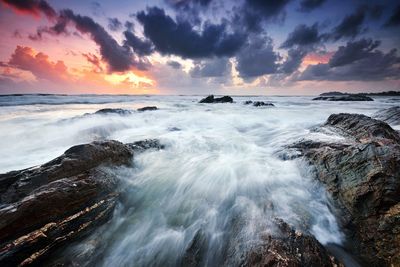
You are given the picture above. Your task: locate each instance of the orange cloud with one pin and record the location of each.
(317, 58)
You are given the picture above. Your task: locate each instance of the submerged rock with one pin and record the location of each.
(344, 98)
(258, 103)
(363, 177)
(289, 248)
(118, 111)
(147, 108)
(48, 206)
(389, 115)
(212, 99)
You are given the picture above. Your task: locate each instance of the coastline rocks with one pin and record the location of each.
(258, 103)
(363, 178)
(118, 111)
(390, 115)
(212, 99)
(344, 98)
(45, 207)
(150, 108)
(289, 248)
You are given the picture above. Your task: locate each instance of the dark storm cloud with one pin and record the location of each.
(309, 5)
(141, 47)
(350, 26)
(217, 67)
(257, 58)
(302, 35)
(353, 51)
(174, 64)
(119, 58)
(184, 4)
(34, 7)
(179, 37)
(394, 19)
(114, 24)
(372, 66)
(293, 61)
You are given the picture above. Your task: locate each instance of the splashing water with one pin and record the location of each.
(219, 181)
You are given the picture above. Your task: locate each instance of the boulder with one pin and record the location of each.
(147, 108)
(389, 115)
(45, 207)
(118, 111)
(258, 103)
(362, 175)
(344, 98)
(212, 99)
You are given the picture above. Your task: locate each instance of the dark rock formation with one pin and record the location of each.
(390, 115)
(333, 93)
(146, 144)
(212, 99)
(289, 248)
(118, 111)
(147, 108)
(362, 175)
(48, 206)
(344, 98)
(258, 103)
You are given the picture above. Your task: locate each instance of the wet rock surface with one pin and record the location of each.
(212, 99)
(149, 108)
(258, 103)
(362, 175)
(344, 98)
(390, 115)
(45, 207)
(118, 111)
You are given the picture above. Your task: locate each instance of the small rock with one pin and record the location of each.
(147, 108)
(212, 99)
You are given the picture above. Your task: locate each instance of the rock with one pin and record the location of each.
(390, 115)
(212, 99)
(146, 144)
(334, 93)
(118, 111)
(363, 177)
(45, 207)
(289, 248)
(147, 108)
(258, 103)
(344, 98)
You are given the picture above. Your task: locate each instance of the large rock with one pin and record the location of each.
(45, 207)
(389, 115)
(211, 99)
(362, 174)
(118, 111)
(344, 98)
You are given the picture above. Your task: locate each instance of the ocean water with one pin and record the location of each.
(220, 173)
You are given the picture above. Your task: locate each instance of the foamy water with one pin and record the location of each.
(220, 174)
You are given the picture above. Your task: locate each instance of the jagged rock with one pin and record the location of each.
(390, 115)
(289, 248)
(363, 177)
(212, 99)
(45, 207)
(258, 103)
(344, 98)
(333, 93)
(118, 111)
(146, 144)
(147, 108)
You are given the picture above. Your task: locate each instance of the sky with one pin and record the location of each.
(198, 47)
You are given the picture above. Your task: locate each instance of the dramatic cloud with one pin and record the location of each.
(293, 61)
(94, 60)
(394, 19)
(308, 5)
(302, 35)
(179, 37)
(174, 64)
(141, 47)
(114, 24)
(218, 67)
(33, 7)
(371, 66)
(353, 51)
(39, 64)
(257, 58)
(350, 27)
